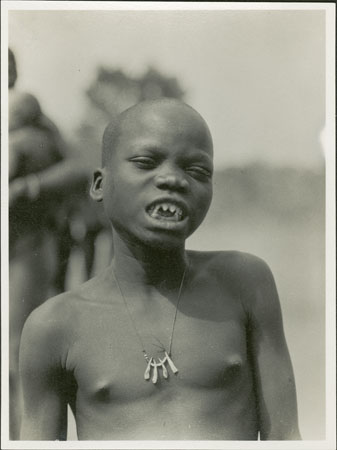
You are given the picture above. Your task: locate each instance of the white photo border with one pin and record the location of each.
(329, 442)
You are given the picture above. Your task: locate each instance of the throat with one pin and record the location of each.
(148, 267)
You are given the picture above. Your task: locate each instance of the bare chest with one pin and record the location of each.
(208, 351)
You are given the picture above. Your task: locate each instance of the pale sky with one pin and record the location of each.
(257, 77)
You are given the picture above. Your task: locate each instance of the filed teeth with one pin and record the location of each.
(172, 211)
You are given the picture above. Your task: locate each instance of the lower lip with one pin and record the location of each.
(168, 225)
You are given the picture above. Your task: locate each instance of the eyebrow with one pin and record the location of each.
(150, 148)
(199, 155)
(153, 148)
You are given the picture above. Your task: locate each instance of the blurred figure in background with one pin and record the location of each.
(40, 178)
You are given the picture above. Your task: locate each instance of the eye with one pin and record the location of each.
(199, 172)
(144, 162)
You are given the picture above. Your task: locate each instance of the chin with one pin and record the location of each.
(165, 242)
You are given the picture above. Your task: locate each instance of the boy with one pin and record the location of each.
(166, 343)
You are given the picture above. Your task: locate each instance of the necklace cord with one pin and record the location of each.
(130, 315)
(132, 319)
(176, 311)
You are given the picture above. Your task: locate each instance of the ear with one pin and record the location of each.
(96, 188)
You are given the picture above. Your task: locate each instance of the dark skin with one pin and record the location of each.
(235, 376)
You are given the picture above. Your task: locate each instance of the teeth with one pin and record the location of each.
(166, 207)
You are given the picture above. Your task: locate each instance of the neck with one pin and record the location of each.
(143, 265)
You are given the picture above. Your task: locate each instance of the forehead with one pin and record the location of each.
(165, 126)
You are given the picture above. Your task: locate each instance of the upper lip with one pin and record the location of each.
(171, 200)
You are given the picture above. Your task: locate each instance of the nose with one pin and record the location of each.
(171, 180)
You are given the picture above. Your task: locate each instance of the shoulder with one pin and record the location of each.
(49, 330)
(62, 311)
(257, 287)
(24, 109)
(247, 276)
(49, 322)
(244, 265)
(27, 103)
(44, 347)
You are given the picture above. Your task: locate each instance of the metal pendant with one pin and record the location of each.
(153, 364)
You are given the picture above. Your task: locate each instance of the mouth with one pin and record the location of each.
(167, 211)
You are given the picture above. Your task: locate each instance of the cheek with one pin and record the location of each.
(109, 200)
(119, 201)
(204, 201)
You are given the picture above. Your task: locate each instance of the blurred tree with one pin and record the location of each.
(154, 85)
(110, 93)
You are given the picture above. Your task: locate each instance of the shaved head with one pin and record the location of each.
(173, 110)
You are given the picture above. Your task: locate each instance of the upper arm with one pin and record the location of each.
(43, 380)
(272, 368)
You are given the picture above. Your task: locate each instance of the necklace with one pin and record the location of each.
(152, 363)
